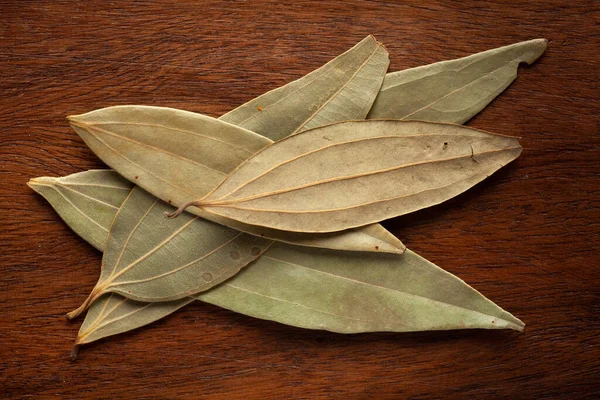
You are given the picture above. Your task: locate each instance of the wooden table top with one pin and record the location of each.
(527, 238)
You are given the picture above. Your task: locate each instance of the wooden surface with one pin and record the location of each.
(527, 238)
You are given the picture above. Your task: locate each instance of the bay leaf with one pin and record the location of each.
(321, 96)
(148, 258)
(226, 141)
(86, 201)
(311, 286)
(488, 73)
(356, 173)
(114, 314)
(453, 91)
(354, 293)
(326, 290)
(60, 204)
(176, 155)
(342, 89)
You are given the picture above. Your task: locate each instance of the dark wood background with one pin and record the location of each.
(527, 238)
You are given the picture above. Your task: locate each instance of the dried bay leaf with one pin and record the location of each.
(114, 314)
(356, 173)
(320, 97)
(361, 292)
(64, 207)
(327, 290)
(221, 141)
(453, 91)
(86, 201)
(168, 153)
(342, 89)
(148, 258)
(397, 99)
(407, 278)
(89, 218)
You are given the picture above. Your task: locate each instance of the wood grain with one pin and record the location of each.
(527, 238)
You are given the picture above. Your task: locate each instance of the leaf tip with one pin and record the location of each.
(538, 47)
(32, 183)
(398, 248)
(518, 325)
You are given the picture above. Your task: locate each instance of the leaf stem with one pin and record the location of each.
(74, 352)
(86, 304)
(182, 208)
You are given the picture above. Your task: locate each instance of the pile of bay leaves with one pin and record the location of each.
(283, 195)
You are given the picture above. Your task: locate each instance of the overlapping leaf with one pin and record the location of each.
(453, 91)
(342, 89)
(145, 258)
(329, 290)
(220, 147)
(168, 148)
(86, 201)
(113, 314)
(351, 174)
(336, 291)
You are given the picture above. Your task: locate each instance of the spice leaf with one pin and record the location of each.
(336, 291)
(453, 91)
(148, 258)
(327, 290)
(77, 213)
(351, 174)
(360, 292)
(409, 276)
(342, 89)
(86, 201)
(113, 314)
(169, 153)
(320, 97)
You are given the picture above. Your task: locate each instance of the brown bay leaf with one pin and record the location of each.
(453, 91)
(356, 173)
